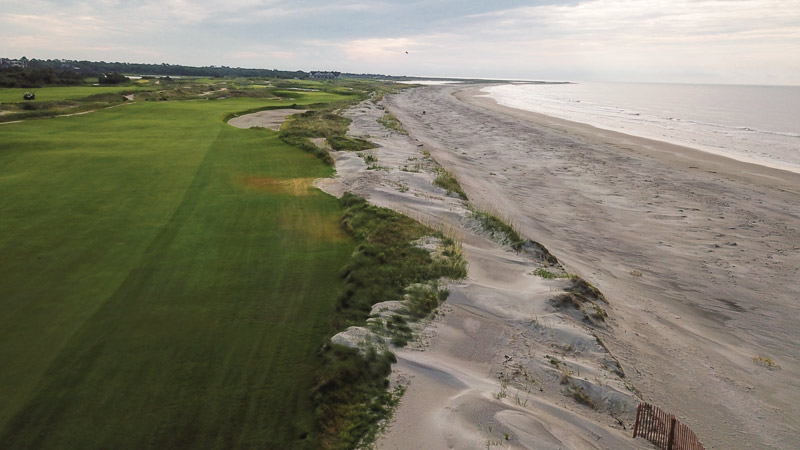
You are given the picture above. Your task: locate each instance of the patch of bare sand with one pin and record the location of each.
(271, 118)
(207, 93)
(698, 255)
(502, 366)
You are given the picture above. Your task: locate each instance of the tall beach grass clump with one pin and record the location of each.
(498, 228)
(449, 182)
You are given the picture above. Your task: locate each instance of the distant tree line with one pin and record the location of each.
(17, 77)
(95, 68)
(40, 72)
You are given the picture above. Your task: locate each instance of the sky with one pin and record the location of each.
(686, 41)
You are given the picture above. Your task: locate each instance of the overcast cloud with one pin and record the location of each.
(725, 41)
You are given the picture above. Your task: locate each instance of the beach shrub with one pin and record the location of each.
(585, 290)
(766, 362)
(544, 273)
(497, 228)
(368, 157)
(350, 393)
(386, 260)
(448, 182)
(391, 123)
(580, 396)
(350, 144)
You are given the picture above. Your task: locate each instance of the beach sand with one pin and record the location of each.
(698, 256)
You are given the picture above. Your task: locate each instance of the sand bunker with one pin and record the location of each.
(271, 118)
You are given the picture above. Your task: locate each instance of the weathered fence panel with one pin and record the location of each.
(664, 430)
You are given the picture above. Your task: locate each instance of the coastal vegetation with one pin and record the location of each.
(386, 260)
(548, 275)
(323, 121)
(498, 228)
(765, 361)
(391, 123)
(350, 393)
(449, 182)
(169, 280)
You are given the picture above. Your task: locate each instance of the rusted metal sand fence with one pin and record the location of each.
(664, 430)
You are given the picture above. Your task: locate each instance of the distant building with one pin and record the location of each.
(7, 63)
(325, 75)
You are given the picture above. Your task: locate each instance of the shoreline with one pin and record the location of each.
(478, 93)
(667, 151)
(697, 253)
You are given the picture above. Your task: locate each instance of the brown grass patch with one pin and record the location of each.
(290, 186)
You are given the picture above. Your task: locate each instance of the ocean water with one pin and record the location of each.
(759, 124)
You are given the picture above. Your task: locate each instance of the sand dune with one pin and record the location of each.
(506, 362)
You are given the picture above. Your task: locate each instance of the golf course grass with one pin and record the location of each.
(167, 280)
(65, 92)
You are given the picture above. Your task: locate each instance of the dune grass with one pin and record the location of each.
(449, 182)
(351, 394)
(497, 227)
(391, 122)
(167, 280)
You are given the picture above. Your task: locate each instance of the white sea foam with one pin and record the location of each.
(756, 124)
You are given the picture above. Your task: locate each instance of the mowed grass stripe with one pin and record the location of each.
(84, 197)
(210, 340)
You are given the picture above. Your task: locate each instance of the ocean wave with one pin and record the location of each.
(668, 121)
(740, 128)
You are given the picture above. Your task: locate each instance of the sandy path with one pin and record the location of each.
(496, 368)
(716, 242)
(270, 118)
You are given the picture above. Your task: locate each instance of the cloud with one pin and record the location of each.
(262, 54)
(622, 39)
(684, 40)
(382, 48)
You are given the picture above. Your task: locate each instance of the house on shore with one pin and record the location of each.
(325, 75)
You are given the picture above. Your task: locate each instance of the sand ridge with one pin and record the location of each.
(500, 367)
(699, 255)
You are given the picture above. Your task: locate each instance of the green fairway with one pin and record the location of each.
(14, 95)
(166, 282)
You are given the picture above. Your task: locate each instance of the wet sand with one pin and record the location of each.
(698, 255)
